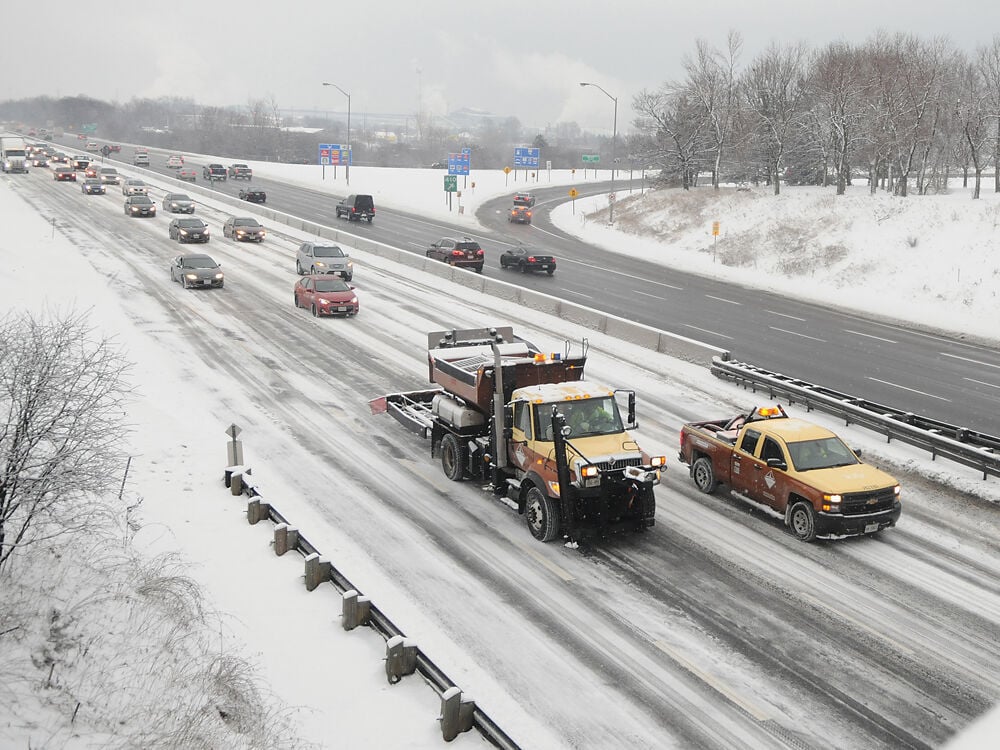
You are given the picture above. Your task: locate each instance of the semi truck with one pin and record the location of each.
(526, 423)
(792, 467)
(13, 153)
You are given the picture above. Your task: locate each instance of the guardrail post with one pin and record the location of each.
(356, 610)
(257, 510)
(236, 483)
(285, 538)
(400, 658)
(456, 713)
(317, 571)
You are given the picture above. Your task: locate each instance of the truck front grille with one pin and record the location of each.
(860, 503)
(618, 463)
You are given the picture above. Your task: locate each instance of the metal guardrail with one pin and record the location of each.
(381, 624)
(959, 444)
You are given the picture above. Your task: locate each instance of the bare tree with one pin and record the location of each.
(835, 86)
(988, 61)
(712, 81)
(62, 396)
(974, 115)
(675, 123)
(772, 87)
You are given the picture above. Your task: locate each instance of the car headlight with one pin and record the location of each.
(191, 276)
(323, 301)
(350, 264)
(184, 231)
(353, 300)
(240, 231)
(219, 276)
(320, 264)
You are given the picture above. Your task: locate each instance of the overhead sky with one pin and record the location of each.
(403, 56)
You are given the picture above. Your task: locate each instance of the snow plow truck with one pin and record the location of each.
(526, 423)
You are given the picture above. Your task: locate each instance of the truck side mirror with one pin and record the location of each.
(508, 417)
(777, 463)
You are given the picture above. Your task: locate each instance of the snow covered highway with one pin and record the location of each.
(715, 629)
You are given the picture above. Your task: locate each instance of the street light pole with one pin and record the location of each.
(614, 139)
(350, 155)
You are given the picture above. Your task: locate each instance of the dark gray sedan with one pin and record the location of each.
(196, 271)
(188, 230)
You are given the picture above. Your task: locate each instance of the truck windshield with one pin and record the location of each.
(823, 453)
(592, 416)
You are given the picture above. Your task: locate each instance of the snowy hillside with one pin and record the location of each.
(933, 259)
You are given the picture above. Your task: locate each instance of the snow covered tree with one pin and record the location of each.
(712, 82)
(772, 89)
(675, 124)
(61, 400)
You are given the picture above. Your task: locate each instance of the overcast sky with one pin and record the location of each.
(400, 56)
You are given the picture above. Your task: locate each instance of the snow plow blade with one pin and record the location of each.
(411, 409)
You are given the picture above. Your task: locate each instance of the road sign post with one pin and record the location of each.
(572, 194)
(450, 186)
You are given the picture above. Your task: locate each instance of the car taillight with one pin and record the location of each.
(531, 258)
(459, 253)
(479, 252)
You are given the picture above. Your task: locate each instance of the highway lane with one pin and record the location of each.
(938, 374)
(714, 630)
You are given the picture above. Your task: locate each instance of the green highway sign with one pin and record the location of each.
(591, 158)
(90, 127)
(451, 183)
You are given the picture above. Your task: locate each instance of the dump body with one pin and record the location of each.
(798, 469)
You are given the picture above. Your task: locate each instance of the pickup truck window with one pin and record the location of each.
(749, 442)
(821, 454)
(771, 450)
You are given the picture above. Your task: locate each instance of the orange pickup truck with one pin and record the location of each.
(794, 467)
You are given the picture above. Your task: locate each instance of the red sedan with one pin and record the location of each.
(326, 294)
(63, 174)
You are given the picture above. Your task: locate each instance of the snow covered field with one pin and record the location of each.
(932, 260)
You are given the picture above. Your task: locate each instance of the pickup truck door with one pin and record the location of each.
(770, 481)
(742, 470)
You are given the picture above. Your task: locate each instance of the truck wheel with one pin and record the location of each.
(542, 515)
(704, 475)
(802, 521)
(451, 458)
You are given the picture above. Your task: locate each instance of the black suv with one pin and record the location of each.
(463, 253)
(356, 208)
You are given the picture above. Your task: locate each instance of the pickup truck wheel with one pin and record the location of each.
(802, 521)
(452, 462)
(704, 475)
(298, 268)
(542, 515)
